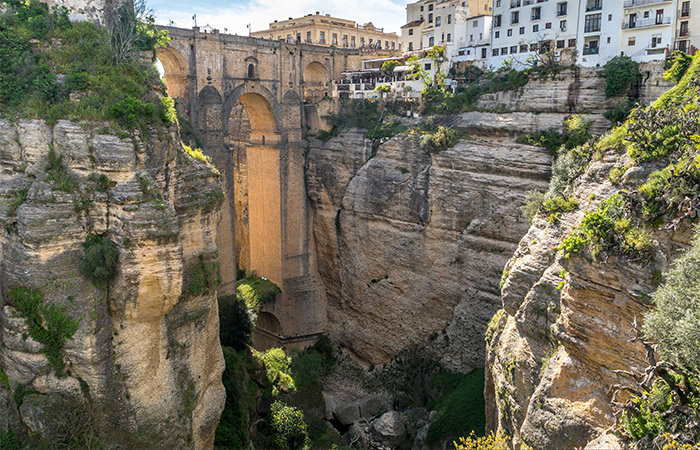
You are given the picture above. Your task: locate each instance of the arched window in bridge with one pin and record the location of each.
(251, 71)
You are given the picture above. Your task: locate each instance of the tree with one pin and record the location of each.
(389, 66)
(681, 64)
(132, 29)
(620, 74)
(675, 323)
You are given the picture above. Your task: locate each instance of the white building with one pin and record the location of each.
(647, 29)
(599, 31)
(473, 41)
(687, 26)
(522, 29)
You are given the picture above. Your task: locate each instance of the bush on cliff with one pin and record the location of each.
(620, 74)
(100, 260)
(36, 46)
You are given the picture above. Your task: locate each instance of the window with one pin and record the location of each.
(608, 39)
(609, 17)
(632, 21)
(562, 9)
(410, 46)
(536, 13)
(523, 48)
(449, 19)
(428, 66)
(560, 44)
(442, 39)
(322, 37)
(449, 37)
(646, 14)
(515, 17)
(572, 43)
(497, 34)
(410, 31)
(498, 3)
(685, 9)
(335, 39)
(592, 23)
(421, 9)
(631, 42)
(659, 16)
(430, 7)
(431, 41)
(535, 28)
(475, 24)
(562, 25)
(438, 21)
(430, 18)
(655, 41)
(352, 41)
(308, 36)
(494, 52)
(514, 49)
(345, 40)
(289, 38)
(522, 30)
(510, 32)
(533, 47)
(483, 53)
(504, 51)
(548, 25)
(251, 71)
(684, 29)
(362, 42)
(471, 37)
(497, 21)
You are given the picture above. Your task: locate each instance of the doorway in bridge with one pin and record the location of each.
(253, 138)
(175, 74)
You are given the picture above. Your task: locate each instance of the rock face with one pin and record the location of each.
(145, 359)
(554, 353)
(578, 91)
(411, 245)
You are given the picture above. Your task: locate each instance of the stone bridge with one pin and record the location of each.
(250, 101)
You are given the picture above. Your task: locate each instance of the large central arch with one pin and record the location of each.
(176, 77)
(251, 111)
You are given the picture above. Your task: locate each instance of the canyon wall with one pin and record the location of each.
(411, 244)
(145, 362)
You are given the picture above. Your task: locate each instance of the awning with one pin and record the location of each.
(401, 69)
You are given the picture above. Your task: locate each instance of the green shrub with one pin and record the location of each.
(460, 406)
(167, 111)
(235, 326)
(101, 181)
(533, 201)
(619, 113)
(205, 278)
(549, 139)
(255, 291)
(48, 324)
(100, 260)
(555, 206)
(620, 73)
(608, 229)
(441, 139)
(234, 425)
(277, 369)
(9, 440)
(289, 426)
(681, 64)
(58, 175)
(133, 112)
(577, 131)
(675, 323)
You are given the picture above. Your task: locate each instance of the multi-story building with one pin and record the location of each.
(473, 41)
(687, 26)
(325, 30)
(647, 29)
(524, 29)
(437, 22)
(599, 31)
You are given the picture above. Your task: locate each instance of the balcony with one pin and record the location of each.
(597, 6)
(648, 22)
(562, 12)
(685, 12)
(683, 32)
(591, 51)
(636, 3)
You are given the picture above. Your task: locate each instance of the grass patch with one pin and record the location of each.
(255, 291)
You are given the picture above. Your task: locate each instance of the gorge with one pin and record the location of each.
(392, 256)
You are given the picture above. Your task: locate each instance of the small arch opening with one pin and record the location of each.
(251, 71)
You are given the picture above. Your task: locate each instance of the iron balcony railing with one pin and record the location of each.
(650, 22)
(635, 3)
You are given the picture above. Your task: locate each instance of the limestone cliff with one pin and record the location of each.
(411, 244)
(145, 360)
(565, 338)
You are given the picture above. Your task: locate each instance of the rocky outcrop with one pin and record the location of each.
(565, 337)
(580, 91)
(145, 360)
(411, 245)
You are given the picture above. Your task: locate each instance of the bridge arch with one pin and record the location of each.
(176, 77)
(260, 107)
(316, 73)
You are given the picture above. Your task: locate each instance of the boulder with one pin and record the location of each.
(347, 414)
(356, 436)
(389, 429)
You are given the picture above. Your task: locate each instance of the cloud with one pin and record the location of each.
(389, 14)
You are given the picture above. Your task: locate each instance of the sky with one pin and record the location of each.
(235, 15)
